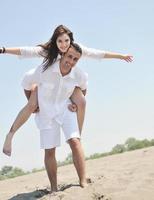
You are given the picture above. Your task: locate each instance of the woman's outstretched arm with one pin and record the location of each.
(126, 57)
(100, 54)
(25, 52)
(12, 50)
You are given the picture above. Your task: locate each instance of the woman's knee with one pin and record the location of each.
(78, 98)
(32, 106)
(81, 102)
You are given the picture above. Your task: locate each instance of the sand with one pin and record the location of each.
(127, 176)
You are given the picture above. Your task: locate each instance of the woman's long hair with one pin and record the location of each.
(51, 49)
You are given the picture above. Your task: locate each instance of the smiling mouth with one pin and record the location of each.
(64, 49)
(67, 65)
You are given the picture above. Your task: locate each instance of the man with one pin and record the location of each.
(55, 86)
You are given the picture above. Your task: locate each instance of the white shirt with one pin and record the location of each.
(38, 51)
(54, 91)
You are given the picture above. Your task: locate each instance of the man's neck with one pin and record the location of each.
(63, 71)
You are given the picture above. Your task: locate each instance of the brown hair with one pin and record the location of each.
(76, 47)
(51, 48)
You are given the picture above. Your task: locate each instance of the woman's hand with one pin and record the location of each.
(127, 58)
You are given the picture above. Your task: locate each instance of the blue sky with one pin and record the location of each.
(120, 95)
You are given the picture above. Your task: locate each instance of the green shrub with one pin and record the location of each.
(119, 148)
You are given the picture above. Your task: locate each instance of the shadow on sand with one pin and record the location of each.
(64, 187)
(40, 193)
(31, 195)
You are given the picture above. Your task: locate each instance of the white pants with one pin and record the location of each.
(50, 138)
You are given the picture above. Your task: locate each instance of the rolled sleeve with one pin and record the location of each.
(30, 52)
(84, 81)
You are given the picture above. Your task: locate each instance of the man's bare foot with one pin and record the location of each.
(7, 147)
(53, 192)
(54, 188)
(85, 183)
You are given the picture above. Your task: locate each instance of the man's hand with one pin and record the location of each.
(72, 107)
(37, 110)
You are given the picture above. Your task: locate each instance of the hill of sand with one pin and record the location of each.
(127, 176)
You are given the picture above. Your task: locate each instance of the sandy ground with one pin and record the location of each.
(127, 176)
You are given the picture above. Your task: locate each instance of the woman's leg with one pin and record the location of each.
(79, 99)
(21, 118)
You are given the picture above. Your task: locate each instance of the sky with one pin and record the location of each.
(120, 98)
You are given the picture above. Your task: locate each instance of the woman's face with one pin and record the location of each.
(63, 42)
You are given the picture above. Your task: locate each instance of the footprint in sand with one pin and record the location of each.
(97, 196)
(100, 177)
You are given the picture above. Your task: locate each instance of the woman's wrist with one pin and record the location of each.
(2, 50)
(121, 56)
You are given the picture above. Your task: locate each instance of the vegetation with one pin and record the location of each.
(129, 145)
(10, 172)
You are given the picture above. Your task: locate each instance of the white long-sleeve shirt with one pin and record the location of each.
(38, 51)
(54, 91)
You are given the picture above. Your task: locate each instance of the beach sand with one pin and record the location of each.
(127, 176)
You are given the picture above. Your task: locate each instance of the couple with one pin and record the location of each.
(55, 50)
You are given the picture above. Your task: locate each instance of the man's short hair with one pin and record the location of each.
(76, 47)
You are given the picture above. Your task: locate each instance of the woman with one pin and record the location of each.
(51, 51)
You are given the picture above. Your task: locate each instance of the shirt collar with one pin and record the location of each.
(56, 69)
(72, 73)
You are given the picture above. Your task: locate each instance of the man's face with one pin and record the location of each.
(69, 60)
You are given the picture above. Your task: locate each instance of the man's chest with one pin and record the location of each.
(53, 86)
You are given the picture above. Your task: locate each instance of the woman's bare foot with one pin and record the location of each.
(7, 147)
